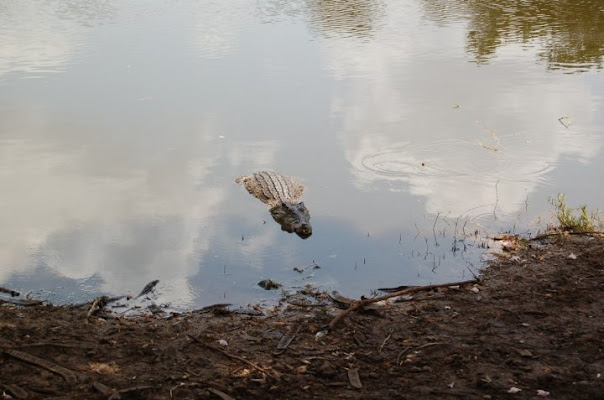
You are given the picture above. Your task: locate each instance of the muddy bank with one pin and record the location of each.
(532, 327)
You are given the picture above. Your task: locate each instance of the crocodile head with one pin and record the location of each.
(293, 217)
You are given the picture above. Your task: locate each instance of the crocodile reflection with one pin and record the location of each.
(282, 194)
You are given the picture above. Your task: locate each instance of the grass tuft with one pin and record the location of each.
(575, 220)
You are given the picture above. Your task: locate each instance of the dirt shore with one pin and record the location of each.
(532, 327)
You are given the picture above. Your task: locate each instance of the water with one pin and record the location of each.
(419, 128)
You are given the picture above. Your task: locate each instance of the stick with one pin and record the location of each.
(220, 394)
(67, 374)
(546, 235)
(13, 293)
(235, 357)
(118, 393)
(286, 340)
(363, 302)
(403, 351)
(20, 302)
(97, 304)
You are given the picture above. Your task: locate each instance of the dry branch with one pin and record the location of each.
(67, 374)
(12, 292)
(364, 302)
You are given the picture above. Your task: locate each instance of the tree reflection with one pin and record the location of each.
(571, 32)
(345, 18)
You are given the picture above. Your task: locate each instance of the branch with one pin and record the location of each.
(364, 302)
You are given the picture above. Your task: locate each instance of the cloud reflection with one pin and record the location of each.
(400, 124)
(128, 228)
(43, 36)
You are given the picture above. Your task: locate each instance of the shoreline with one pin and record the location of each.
(531, 327)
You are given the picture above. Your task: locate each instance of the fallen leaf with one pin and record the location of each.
(354, 379)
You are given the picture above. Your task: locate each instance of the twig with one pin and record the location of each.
(65, 345)
(220, 394)
(384, 342)
(67, 374)
(434, 229)
(546, 235)
(176, 387)
(16, 391)
(364, 302)
(403, 351)
(97, 304)
(20, 302)
(286, 340)
(117, 394)
(103, 389)
(235, 357)
(563, 123)
(13, 293)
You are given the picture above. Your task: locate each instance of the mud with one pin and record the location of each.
(532, 327)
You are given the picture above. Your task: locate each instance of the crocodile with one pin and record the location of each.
(282, 194)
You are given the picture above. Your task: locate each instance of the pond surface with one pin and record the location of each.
(419, 128)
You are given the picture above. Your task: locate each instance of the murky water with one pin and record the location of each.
(413, 124)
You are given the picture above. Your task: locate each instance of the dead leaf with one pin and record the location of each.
(354, 379)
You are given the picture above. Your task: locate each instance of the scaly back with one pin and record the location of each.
(272, 188)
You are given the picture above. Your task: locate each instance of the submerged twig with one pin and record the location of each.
(496, 199)
(561, 120)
